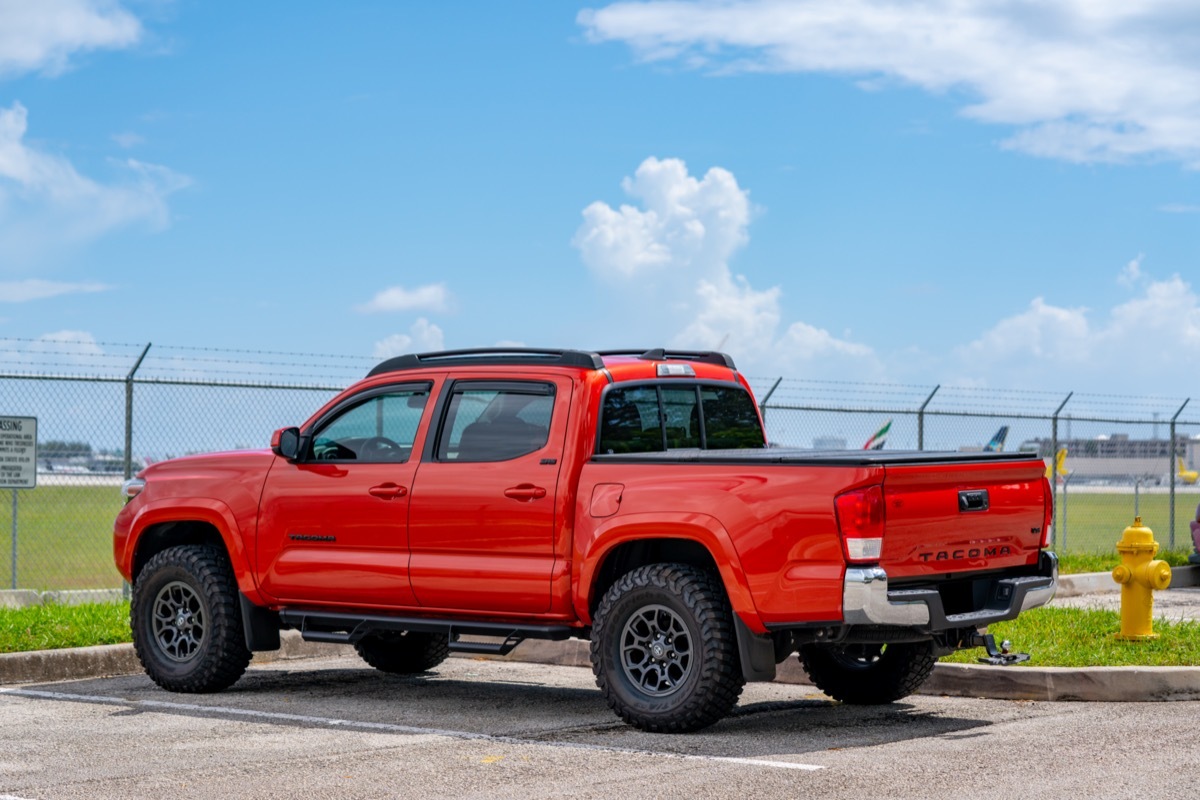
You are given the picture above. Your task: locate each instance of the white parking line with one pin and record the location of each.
(328, 722)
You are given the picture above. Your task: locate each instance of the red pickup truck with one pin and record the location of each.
(468, 500)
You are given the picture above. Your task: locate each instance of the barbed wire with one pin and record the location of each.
(74, 358)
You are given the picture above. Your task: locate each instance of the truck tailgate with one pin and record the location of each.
(964, 517)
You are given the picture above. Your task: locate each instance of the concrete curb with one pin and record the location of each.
(105, 661)
(1101, 582)
(1094, 684)
(21, 598)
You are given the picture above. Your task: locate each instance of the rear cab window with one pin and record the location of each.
(649, 418)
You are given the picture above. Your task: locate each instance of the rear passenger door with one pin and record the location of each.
(482, 515)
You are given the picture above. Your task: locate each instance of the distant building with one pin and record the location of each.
(1117, 454)
(1118, 445)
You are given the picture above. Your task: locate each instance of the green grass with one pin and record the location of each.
(1074, 563)
(1087, 522)
(1075, 637)
(54, 626)
(64, 538)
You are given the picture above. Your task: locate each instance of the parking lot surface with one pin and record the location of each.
(334, 728)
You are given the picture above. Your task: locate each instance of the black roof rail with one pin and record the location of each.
(490, 356)
(662, 354)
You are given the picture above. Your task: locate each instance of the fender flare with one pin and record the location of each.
(703, 529)
(199, 509)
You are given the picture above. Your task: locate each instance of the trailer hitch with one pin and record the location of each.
(1001, 656)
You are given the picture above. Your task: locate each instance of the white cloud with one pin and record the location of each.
(668, 261)
(1179, 208)
(43, 34)
(805, 342)
(686, 224)
(61, 348)
(1082, 80)
(730, 312)
(1132, 272)
(46, 204)
(128, 139)
(35, 289)
(422, 337)
(434, 297)
(1141, 344)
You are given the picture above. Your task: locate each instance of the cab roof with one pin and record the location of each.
(621, 364)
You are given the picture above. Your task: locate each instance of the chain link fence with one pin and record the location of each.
(106, 410)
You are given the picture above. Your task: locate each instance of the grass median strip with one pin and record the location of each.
(50, 627)
(1076, 637)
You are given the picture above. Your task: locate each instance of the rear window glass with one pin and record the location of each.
(647, 419)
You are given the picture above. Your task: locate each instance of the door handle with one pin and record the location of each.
(387, 491)
(526, 491)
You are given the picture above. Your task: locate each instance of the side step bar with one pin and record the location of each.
(319, 626)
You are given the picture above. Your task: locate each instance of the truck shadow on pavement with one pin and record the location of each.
(558, 709)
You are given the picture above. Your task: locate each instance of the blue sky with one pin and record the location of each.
(991, 194)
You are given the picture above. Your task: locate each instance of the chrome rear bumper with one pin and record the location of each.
(867, 600)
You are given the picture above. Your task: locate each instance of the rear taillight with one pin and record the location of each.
(860, 521)
(1047, 511)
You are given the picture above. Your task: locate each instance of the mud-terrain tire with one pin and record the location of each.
(664, 650)
(186, 621)
(868, 674)
(403, 652)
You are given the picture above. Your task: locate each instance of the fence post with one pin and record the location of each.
(1054, 456)
(921, 418)
(14, 539)
(129, 413)
(1171, 471)
(762, 404)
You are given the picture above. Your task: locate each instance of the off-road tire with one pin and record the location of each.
(685, 612)
(186, 620)
(403, 652)
(868, 674)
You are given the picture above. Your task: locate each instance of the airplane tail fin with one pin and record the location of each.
(996, 445)
(877, 441)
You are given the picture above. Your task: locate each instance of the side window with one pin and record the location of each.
(380, 428)
(730, 419)
(495, 422)
(631, 421)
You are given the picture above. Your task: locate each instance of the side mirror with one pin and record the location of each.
(285, 443)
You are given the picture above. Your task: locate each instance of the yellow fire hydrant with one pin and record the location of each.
(1139, 575)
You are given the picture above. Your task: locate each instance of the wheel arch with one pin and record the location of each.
(629, 543)
(634, 553)
(199, 520)
(161, 535)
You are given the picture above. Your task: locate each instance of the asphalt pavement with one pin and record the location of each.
(319, 728)
(315, 721)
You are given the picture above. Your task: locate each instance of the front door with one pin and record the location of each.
(333, 525)
(482, 512)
